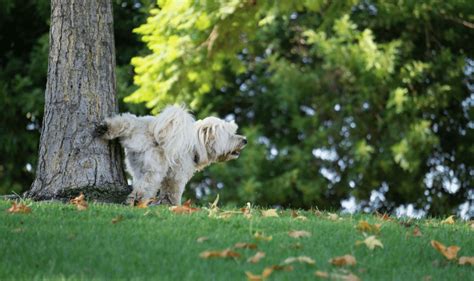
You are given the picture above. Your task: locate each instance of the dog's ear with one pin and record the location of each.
(206, 137)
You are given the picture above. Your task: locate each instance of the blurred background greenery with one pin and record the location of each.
(368, 104)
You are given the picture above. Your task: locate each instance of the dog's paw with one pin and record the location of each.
(164, 199)
(100, 129)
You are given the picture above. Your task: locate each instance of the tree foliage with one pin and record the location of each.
(371, 99)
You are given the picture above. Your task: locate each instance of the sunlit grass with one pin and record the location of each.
(57, 242)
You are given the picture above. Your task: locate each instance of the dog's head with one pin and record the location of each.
(218, 141)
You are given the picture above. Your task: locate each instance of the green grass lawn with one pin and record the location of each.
(57, 242)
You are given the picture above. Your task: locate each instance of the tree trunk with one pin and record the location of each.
(80, 92)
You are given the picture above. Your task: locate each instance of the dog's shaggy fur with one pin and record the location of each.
(163, 152)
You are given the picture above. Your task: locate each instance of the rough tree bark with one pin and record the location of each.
(80, 92)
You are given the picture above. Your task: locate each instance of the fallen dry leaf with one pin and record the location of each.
(184, 209)
(281, 267)
(345, 277)
(417, 232)
(261, 236)
(143, 204)
(300, 259)
(243, 245)
(333, 216)
(270, 213)
(296, 216)
(117, 219)
(19, 208)
(267, 271)
(466, 260)
(202, 239)
(471, 224)
(371, 242)
(253, 277)
(343, 260)
(227, 214)
(256, 258)
(294, 213)
(299, 233)
(80, 202)
(337, 276)
(384, 216)
(448, 220)
(450, 252)
(366, 227)
(227, 253)
(322, 274)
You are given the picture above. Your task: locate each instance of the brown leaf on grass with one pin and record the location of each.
(80, 202)
(316, 212)
(256, 258)
(321, 274)
(299, 233)
(300, 259)
(267, 271)
(143, 204)
(448, 220)
(243, 245)
(227, 253)
(296, 216)
(117, 219)
(333, 216)
(371, 242)
(384, 216)
(270, 213)
(261, 236)
(343, 260)
(364, 226)
(184, 209)
(471, 224)
(345, 277)
(281, 267)
(417, 232)
(450, 252)
(226, 214)
(202, 239)
(19, 208)
(253, 277)
(466, 260)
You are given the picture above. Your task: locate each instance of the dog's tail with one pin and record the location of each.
(115, 127)
(174, 132)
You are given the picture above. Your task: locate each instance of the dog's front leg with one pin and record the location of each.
(146, 187)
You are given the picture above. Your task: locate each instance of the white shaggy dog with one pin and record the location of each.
(163, 152)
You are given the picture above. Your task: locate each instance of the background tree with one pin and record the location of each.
(23, 69)
(80, 92)
(342, 99)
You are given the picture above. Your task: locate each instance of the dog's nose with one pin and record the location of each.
(244, 141)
